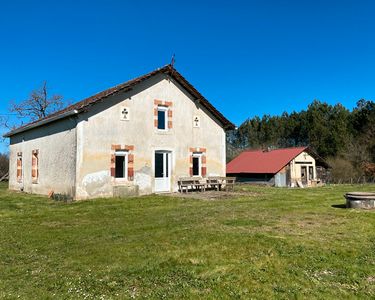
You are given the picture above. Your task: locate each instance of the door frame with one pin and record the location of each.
(199, 156)
(170, 168)
(304, 179)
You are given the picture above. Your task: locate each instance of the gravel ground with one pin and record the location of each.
(212, 195)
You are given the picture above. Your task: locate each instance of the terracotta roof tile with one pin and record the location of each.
(86, 103)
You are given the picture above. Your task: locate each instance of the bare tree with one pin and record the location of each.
(4, 164)
(343, 170)
(38, 105)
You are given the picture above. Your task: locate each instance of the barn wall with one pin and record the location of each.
(267, 179)
(56, 146)
(281, 178)
(303, 159)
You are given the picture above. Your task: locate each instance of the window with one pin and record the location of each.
(159, 165)
(197, 164)
(35, 166)
(162, 117)
(121, 164)
(311, 173)
(19, 167)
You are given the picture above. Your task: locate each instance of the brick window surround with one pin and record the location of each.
(203, 160)
(130, 150)
(19, 166)
(168, 105)
(35, 166)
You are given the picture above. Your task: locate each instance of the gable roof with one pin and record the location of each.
(85, 104)
(261, 161)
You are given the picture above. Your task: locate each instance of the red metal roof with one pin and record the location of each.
(263, 161)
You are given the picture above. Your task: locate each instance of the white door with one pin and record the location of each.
(162, 171)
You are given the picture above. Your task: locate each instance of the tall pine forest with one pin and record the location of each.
(344, 138)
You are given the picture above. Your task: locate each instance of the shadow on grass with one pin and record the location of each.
(338, 205)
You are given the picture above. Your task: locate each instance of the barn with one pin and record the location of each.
(287, 167)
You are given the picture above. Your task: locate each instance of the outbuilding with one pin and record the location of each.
(299, 166)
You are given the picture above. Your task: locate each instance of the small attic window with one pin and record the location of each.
(162, 117)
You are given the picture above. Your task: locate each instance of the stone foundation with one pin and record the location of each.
(122, 191)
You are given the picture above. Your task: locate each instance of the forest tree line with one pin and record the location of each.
(346, 139)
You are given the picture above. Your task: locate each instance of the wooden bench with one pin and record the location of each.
(229, 183)
(200, 184)
(195, 183)
(185, 183)
(214, 182)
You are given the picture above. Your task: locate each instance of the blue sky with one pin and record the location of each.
(247, 57)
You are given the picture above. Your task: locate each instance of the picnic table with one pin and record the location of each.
(201, 184)
(195, 183)
(215, 182)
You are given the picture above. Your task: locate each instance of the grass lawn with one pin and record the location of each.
(271, 243)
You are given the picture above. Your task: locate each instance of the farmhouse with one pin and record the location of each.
(279, 167)
(136, 138)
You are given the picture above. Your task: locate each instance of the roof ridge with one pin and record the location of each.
(276, 149)
(86, 102)
(73, 106)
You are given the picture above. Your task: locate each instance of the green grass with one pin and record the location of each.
(280, 243)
